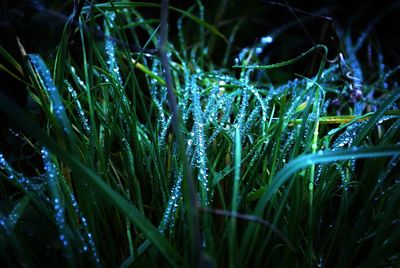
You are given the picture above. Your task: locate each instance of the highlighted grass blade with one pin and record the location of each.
(301, 162)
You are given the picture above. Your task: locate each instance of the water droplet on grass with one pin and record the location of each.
(267, 39)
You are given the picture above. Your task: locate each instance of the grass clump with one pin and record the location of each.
(150, 152)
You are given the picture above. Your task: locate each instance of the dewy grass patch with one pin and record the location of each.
(146, 151)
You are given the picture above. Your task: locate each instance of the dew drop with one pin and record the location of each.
(267, 39)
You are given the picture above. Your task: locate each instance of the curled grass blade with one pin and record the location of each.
(301, 162)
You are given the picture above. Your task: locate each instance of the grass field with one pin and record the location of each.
(143, 150)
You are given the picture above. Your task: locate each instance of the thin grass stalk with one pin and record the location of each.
(189, 190)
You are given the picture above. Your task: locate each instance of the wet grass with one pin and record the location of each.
(160, 156)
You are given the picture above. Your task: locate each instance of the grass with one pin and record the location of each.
(162, 156)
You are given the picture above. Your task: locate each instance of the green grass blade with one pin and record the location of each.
(121, 5)
(301, 162)
(116, 199)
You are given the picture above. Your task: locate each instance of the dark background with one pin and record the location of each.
(40, 23)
